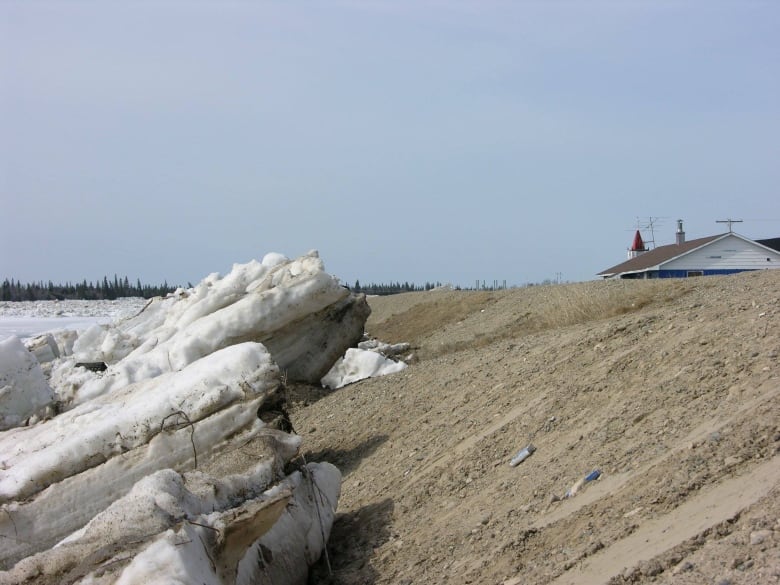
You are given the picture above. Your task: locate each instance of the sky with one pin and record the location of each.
(406, 141)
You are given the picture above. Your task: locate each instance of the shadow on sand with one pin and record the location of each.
(347, 459)
(353, 539)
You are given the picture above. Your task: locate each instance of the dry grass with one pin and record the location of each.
(430, 321)
(593, 301)
(424, 313)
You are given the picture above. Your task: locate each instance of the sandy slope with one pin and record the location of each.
(671, 389)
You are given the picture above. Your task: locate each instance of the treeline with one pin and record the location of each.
(392, 288)
(12, 290)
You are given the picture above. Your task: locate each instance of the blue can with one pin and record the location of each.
(593, 475)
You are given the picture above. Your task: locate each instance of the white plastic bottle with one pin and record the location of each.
(522, 455)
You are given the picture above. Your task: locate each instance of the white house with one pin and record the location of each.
(722, 254)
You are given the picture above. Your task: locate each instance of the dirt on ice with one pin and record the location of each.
(669, 388)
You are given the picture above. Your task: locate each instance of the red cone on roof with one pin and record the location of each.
(637, 247)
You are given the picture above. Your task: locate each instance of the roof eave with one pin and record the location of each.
(655, 268)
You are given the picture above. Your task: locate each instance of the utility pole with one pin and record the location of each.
(728, 221)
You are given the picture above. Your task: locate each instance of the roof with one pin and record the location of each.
(658, 255)
(773, 243)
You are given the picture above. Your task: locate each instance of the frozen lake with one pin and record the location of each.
(27, 318)
(24, 327)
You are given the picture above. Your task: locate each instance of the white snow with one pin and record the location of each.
(132, 416)
(359, 364)
(181, 557)
(23, 388)
(44, 348)
(27, 318)
(134, 453)
(252, 301)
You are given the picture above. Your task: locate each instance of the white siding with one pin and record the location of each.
(729, 253)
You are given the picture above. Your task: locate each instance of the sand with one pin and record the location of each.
(671, 389)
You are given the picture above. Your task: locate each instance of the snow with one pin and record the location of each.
(27, 318)
(181, 556)
(164, 562)
(132, 416)
(359, 364)
(23, 388)
(147, 450)
(44, 348)
(254, 300)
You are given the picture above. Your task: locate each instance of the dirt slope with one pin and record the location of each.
(670, 388)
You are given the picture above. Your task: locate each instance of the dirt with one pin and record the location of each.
(671, 389)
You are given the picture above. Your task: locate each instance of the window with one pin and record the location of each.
(695, 273)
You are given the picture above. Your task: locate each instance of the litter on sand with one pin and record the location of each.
(522, 455)
(572, 491)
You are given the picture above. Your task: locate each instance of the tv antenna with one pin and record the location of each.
(728, 221)
(649, 225)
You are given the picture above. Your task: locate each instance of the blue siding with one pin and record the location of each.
(684, 273)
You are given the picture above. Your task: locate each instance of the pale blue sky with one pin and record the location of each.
(412, 141)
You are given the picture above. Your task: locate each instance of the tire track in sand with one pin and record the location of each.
(722, 502)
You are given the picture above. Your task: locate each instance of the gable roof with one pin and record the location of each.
(659, 255)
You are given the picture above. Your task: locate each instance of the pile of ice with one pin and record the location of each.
(145, 457)
(24, 391)
(371, 358)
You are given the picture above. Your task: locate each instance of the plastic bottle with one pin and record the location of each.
(581, 482)
(522, 455)
(593, 475)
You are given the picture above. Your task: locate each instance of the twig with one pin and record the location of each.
(145, 307)
(263, 563)
(119, 559)
(16, 531)
(204, 526)
(11, 518)
(323, 497)
(310, 476)
(242, 445)
(19, 539)
(206, 550)
(192, 430)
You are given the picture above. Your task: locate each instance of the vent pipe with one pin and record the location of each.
(680, 235)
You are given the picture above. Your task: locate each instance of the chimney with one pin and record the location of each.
(637, 247)
(680, 235)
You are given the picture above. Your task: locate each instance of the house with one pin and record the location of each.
(721, 254)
